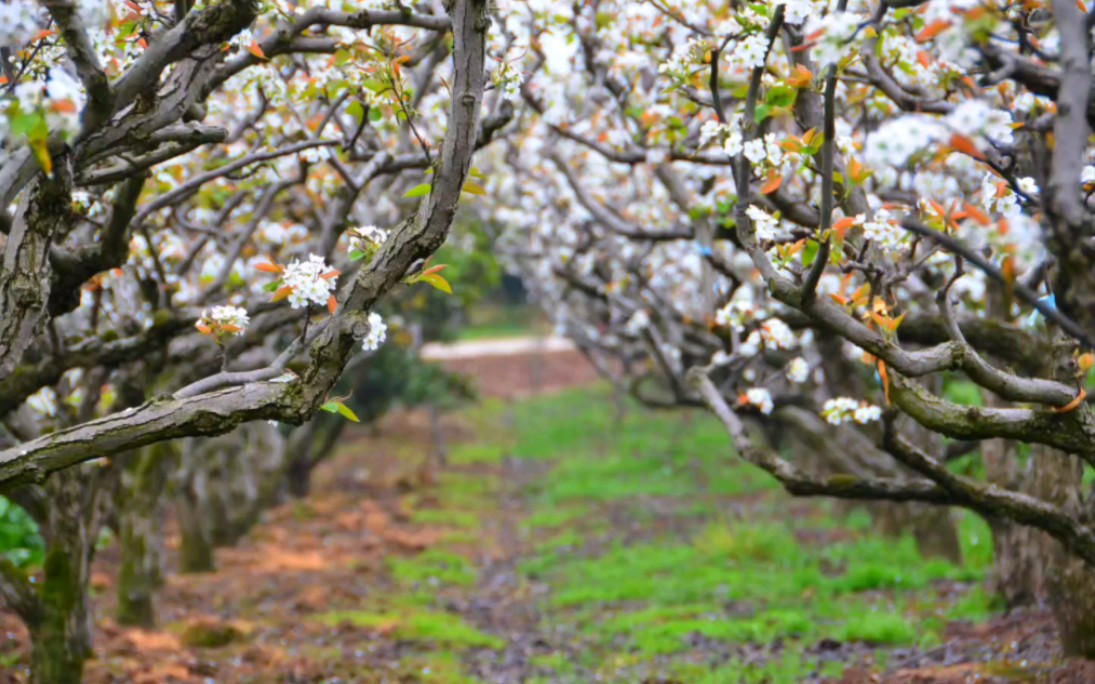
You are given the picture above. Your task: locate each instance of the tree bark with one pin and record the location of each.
(140, 520)
(196, 541)
(307, 446)
(932, 527)
(254, 476)
(61, 624)
(1017, 564)
(1058, 478)
(61, 637)
(1069, 582)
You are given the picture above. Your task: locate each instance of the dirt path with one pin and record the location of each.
(515, 367)
(468, 349)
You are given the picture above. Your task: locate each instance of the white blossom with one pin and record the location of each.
(378, 333)
(777, 335)
(798, 370)
(835, 32)
(507, 78)
(842, 410)
(637, 323)
(367, 238)
(311, 282)
(749, 53)
(230, 320)
(19, 22)
(765, 225)
(760, 398)
(44, 402)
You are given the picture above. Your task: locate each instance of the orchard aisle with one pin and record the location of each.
(563, 543)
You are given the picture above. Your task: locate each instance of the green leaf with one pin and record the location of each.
(809, 253)
(815, 145)
(419, 191)
(40, 147)
(342, 58)
(473, 188)
(272, 287)
(330, 407)
(27, 124)
(438, 282)
(781, 96)
(476, 173)
(836, 253)
(762, 112)
(346, 413)
(375, 114)
(356, 255)
(356, 110)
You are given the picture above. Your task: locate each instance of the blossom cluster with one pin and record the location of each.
(507, 78)
(19, 22)
(772, 334)
(835, 33)
(842, 410)
(757, 397)
(58, 100)
(223, 320)
(884, 232)
(766, 226)
(798, 370)
(311, 282)
(736, 315)
(378, 333)
(365, 240)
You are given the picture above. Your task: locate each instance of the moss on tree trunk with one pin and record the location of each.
(1058, 479)
(196, 543)
(139, 518)
(61, 638)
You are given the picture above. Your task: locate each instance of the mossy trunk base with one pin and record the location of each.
(61, 637)
(139, 522)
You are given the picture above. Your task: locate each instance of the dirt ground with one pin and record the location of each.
(513, 376)
(334, 550)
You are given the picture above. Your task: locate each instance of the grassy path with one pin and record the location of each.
(561, 545)
(585, 549)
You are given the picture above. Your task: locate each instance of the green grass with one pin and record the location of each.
(731, 570)
(439, 629)
(497, 322)
(433, 568)
(653, 552)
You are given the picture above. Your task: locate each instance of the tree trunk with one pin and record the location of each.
(299, 474)
(932, 527)
(1016, 559)
(196, 542)
(306, 448)
(299, 450)
(258, 469)
(61, 636)
(232, 486)
(935, 532)
(61, 624)
(1069, 583)
(1058, 478)
(439, 446)
(139, 524)
(1017, 563)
